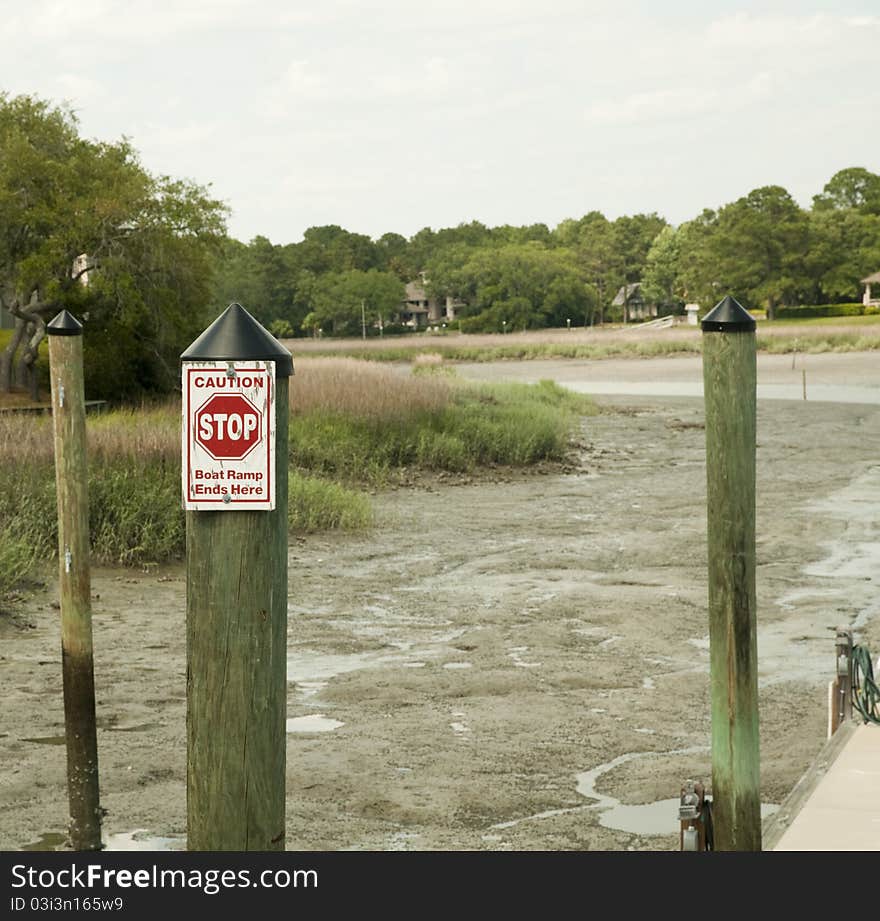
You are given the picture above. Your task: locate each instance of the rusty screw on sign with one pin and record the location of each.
(235, 457)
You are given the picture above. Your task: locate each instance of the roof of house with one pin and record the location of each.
(630, 291)
(871, 279)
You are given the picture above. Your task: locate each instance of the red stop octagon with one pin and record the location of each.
(228, 426)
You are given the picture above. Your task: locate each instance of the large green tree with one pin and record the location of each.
(758, 247)
(661, 279)
(84, 226)
(342, 302)
(851, 188)
(844, 248)
(517, 286)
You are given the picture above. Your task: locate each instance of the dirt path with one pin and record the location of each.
(499, 663)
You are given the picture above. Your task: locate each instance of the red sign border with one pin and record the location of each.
(190, 415)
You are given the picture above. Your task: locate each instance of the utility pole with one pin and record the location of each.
(363, 321)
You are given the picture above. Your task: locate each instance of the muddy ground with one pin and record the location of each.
(504, 663)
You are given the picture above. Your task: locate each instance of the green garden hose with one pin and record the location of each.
(865, 693)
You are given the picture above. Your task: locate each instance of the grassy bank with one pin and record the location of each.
(827, 334)
(353, 424)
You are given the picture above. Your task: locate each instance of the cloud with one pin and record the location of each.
(746, 31)
(657, 104)
(863, 22)
(123, 20)
(78, 88)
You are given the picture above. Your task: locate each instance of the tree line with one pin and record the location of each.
(148, 262)
(763, 247)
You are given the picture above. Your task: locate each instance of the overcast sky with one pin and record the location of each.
(392, 115)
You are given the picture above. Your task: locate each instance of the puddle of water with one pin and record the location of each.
(817, 393)
(314, 722)
(47, 740)
(460, 727)
(648, 683)
(659, 818)
(458, 665)
(312, 671)
(800, 647)
(137, 727)
(515, 654)
(140, 840)
(49, 841)
(849, 561)
(137, 840)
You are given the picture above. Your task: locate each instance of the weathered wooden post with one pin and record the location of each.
(729, 379)
(235, 459)
(71, 483)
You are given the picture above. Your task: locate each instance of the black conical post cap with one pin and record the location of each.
(64, 324)
(236, 336)
(728, 316)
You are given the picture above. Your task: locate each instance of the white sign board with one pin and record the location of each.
(229, 435)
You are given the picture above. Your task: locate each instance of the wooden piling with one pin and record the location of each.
(237, 636)
(729, 378)
(71, 481)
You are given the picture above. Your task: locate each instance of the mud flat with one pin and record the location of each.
(505, 663)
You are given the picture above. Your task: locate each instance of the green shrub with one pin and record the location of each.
(805, 311)
(514, 424)
(317, 505)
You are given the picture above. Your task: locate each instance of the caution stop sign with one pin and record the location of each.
(228, 435)
(228, 426)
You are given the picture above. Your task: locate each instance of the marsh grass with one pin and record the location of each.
(135, 514)
(362, 389)
(352, 423)
(426, 421)
(827, 334)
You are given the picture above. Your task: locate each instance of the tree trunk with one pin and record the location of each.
(7, 357)
(22, 366)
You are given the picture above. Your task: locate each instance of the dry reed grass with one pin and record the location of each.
(145, 435)
(363, 389)
(428, 360)
(617, 339)
(24, 438)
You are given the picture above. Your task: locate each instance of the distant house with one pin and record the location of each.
(867, 300)
(418, 310)
(81, 269)
(634, 305)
